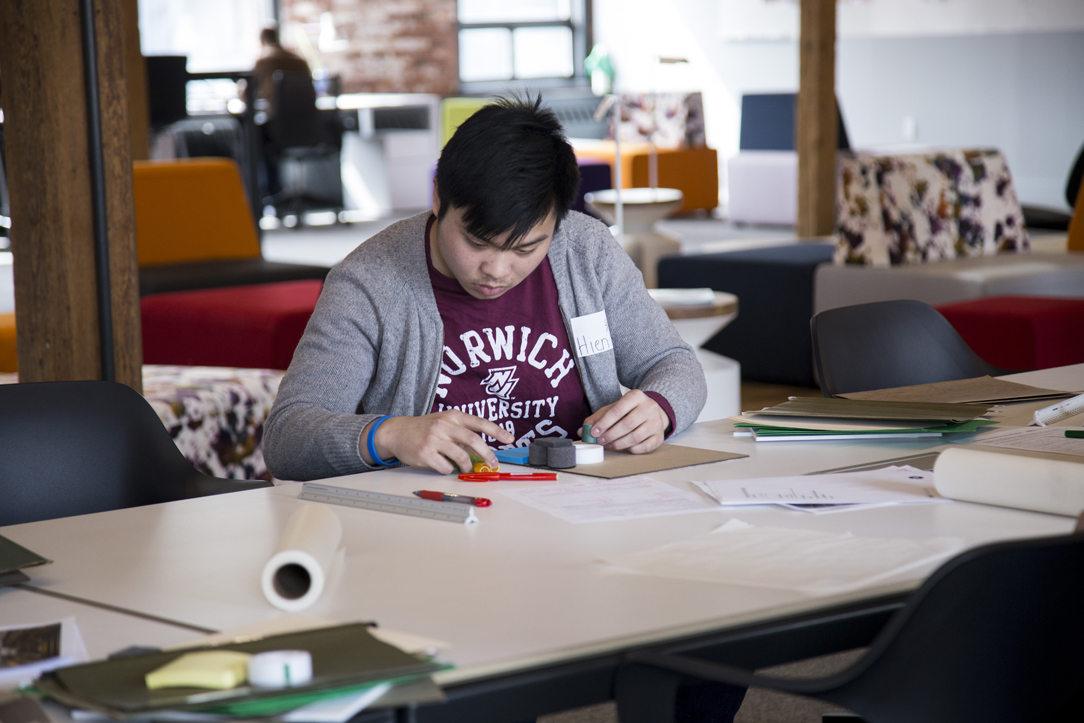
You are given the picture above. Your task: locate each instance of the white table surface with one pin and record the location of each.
(518, 589)
(103, 631)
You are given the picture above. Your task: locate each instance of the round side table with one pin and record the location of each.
(642, 207)
(696, 323)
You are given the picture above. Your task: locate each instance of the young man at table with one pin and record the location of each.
(497, 318)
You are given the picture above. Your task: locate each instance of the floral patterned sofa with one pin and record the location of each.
(214, 414)
(938, 227)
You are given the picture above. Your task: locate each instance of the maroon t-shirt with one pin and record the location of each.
(508, 359)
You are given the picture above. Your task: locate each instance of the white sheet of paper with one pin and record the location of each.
(814, 563)
(1034, 439)
(338, 709)
(622, 499)
(72, 650)
(895, 485)
(591, 334)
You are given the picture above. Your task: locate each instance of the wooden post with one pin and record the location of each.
(52, 175)
(817, 122)
(139, 114)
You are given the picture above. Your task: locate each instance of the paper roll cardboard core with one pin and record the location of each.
(295, 576)
(292, 581)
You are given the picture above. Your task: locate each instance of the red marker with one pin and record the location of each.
(507, 477)
(446, 497)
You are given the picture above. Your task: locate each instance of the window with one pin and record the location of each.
(521, 40)
(215, 34)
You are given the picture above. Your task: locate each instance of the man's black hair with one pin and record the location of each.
(507, 167)
(269, 36)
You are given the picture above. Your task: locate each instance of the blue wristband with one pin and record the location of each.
(372, 447)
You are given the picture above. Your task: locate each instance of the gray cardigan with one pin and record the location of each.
(375, 341)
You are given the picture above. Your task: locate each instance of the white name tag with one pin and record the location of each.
(591, 334)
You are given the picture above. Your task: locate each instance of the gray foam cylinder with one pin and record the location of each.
(562, 456)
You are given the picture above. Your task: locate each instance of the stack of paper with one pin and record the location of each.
(813, 419)
(27, 651)
(350, 668)
(980, 390)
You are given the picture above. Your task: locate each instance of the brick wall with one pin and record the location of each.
(377, 46)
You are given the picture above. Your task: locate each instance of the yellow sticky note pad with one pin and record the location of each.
(218, 669)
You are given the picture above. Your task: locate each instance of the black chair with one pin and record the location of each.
(889, 344)
(72, 448)
(996, 635)
(304, 145)
(1051, 218)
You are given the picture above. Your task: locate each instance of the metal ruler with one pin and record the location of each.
(413, 506)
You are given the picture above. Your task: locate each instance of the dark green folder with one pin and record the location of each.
(14, 557)
(344, 658)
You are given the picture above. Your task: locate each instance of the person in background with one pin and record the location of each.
(274, 57)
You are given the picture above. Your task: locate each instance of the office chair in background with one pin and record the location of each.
(889, 344)
(995, 635)
(72, 448)
(303, 148)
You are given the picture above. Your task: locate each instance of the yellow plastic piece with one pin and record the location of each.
(217, 669)
(453, 111)
(479, 465)
(1076, 226)
(192, 209)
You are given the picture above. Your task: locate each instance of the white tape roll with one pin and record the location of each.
(589, 453)
(294, 577)
(280, 668)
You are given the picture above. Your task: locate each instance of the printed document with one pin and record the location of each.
(622, 499)
(888, 485)
(1033, 439)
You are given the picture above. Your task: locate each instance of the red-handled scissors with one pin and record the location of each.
(507, 477)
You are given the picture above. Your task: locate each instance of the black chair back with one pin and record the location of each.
(295, 121)
(995, 635)
(72, 448)
(889, 344)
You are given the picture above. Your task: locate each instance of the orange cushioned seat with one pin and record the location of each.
(8, 360)
(194, 229)
(693, 171)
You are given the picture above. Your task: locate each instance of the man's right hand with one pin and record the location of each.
(436, 440)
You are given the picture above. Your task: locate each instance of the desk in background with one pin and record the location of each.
(535, 622)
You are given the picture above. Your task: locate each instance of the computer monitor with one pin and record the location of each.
(768, 123)
(167, 80)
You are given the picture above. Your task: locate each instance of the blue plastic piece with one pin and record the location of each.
(515, 455)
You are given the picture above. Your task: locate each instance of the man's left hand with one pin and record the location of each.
(635, 423)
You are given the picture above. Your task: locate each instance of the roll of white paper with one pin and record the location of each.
(280, 668)
(294, 577)
(588, 453)
(1010, 480)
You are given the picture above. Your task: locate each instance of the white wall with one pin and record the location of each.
(967, 81)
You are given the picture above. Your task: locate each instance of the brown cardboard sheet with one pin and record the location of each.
(668, 456)
(988, 390)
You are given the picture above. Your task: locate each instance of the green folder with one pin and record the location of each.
(972, 425)
(14, 557)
